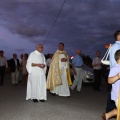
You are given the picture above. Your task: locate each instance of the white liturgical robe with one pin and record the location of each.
(62, 90)
(36, 85)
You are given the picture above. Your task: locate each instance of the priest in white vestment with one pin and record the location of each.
(59, 80)
(36, 67)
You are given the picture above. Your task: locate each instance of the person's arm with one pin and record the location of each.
(37, 65)
(113, 79)
(34, 65)
(73, 67)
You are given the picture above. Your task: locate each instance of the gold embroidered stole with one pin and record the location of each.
(54, 75)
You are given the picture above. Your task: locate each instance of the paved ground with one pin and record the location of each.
(87, 105)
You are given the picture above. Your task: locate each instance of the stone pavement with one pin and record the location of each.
(87, 105)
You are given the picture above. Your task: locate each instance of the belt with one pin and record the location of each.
(78, 66)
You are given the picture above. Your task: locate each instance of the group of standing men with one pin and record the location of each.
(58, 78)
(16, 67)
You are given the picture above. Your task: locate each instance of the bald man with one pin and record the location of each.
(36, 67)
(77, 64)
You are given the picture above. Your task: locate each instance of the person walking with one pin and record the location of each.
(14, 68)
(36, 67)
(3, 66)
(96, 63)
(58, 79)
(77, 64)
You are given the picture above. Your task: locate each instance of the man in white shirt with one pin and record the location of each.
(3, 65)
(96, 63)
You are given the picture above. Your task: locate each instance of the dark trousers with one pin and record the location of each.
(2, 72)
(97, 82)
(110, 104)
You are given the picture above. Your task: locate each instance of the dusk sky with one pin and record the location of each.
(82, 24)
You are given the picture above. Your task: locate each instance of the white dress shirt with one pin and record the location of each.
(97, 60)
(3, 61)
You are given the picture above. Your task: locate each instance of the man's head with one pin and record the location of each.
(15, 56)
(25, 56)
(51, 55)
(21, 56)
(39, 47)
(78, 52)
(1, 53)
(117, 35)
(98, 53)
(117, 55)
(61, 46)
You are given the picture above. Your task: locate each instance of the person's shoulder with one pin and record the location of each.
(42, 54)
(33, 52)
(75, 56)
(56, 53)
(114, 68)
(115, 44)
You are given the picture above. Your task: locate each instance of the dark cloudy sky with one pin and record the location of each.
(82, 24)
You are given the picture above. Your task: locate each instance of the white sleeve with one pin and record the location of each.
(29, 63)
(45, 68)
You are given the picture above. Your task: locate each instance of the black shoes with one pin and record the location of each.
(42, 100)
(53, 94)
(79, 92)
(35, 100)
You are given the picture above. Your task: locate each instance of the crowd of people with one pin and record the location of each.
(38, 73)
(53, 74)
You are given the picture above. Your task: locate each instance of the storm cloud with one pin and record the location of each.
(84, 24)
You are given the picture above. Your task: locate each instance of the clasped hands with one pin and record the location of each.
(41, 65)
(64, 60)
